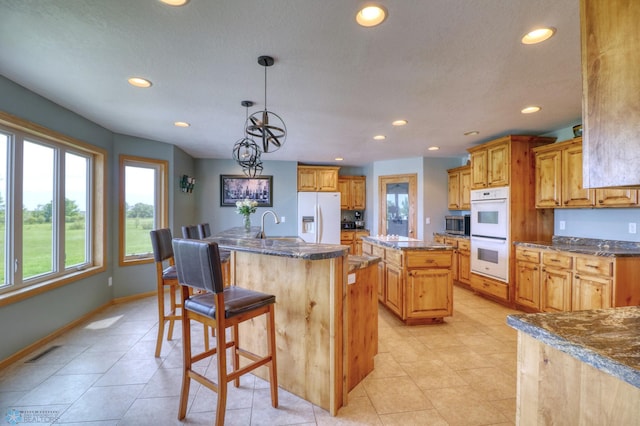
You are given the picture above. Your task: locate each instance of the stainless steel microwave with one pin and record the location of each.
(458, 225)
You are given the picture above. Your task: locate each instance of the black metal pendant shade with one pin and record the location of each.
(247, 153)
(266, 125)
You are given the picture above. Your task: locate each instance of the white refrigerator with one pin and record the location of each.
(319, 217)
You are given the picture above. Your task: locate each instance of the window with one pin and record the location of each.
(143, 206)
(51, 214)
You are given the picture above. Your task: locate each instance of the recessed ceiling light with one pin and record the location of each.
(338, 158)
(538, 35)
(530, 109)
(379, 137)
(139, 82)
(399, 122)
(371, 15)
(175, 2)
(471, 133)
(181, 124)
(433, 148)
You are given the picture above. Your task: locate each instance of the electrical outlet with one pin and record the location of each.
(282, 219)
(427, 221)
(110, 282)
(632, 227)
(562, 224)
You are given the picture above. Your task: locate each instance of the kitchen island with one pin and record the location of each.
(323, 345)
(415, 279)
(578, 368)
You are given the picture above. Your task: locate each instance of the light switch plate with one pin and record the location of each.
(632, 227)
(562, 225)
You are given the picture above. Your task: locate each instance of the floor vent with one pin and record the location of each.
(42, 354)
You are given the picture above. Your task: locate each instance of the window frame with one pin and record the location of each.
(161, 198)
(23, 130)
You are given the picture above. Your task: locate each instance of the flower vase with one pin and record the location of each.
(247, 223)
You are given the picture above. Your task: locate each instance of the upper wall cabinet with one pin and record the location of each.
(317, 178)
(459, 188)
(610, 88)
(559, 180)
(352, 192)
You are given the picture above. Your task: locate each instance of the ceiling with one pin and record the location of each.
(446, 66)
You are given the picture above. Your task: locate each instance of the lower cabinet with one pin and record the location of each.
(416, 285)
(353, 239)
(557, 281)
(461, 263)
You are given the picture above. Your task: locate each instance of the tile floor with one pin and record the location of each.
(104, 373)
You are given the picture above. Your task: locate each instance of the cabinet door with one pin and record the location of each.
(429, 293)
(454, 261)
(479, 169)
(464, 266)
(591, 293)
(556, 290)
(394, 289)
(548, 179)
(345, 193)
(327, 180)
(498, 165)
(358, 193)
(528, 284)
(465, 189)
(617, 197)
(573, 194)
(454, 191)
(306, 179)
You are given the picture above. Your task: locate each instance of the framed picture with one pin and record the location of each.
(237, 188)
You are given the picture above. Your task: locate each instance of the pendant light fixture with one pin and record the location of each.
(246, 152)
(267, 125)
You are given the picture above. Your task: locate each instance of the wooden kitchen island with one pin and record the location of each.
(326, 311)
(415, 279)
(578, 368)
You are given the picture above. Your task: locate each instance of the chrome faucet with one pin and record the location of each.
(275, 216)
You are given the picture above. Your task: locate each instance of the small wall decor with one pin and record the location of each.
(237, 188)
(187, 183)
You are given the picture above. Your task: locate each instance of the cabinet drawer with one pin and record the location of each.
(557, 260)
(378, 251)
(451, 242)
(394, 257)
(435, 259)
(367, 248)
(593, 265)
(527, 255)
(347, 235)
(464, 245)
(486, 285)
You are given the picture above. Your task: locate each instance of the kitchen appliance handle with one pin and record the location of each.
(319, 219)
(494, 240)
(485, 201)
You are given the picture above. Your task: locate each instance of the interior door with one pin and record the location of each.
(397, 205)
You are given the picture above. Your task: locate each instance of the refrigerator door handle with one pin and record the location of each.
(320, 222)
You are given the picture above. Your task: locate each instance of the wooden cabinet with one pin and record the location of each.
(490, 164)
(459, 188)
(353, 239)
(461, 260)
(417, 285)
(317, 178)
(569, 281)
(610, 86)
(352, 192)
(559, 180)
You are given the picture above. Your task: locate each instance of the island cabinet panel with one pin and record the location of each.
(394, 298)
(429, 293)
(309, 322)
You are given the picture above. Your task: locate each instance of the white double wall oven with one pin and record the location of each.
(490, 232)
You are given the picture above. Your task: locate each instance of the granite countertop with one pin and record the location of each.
(607, 248)
(448, 235)
(405, 243)
(607, 339)
(361, 261)
(239, 239)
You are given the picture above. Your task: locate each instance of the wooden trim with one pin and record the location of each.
(412, 180)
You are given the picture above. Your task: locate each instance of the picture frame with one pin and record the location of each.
(237, 188)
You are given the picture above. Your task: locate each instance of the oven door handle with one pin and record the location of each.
(489, 239)
(497, 200)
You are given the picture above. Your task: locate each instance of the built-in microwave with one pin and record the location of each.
(457, 225)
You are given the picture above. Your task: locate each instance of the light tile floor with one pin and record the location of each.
(462, 372)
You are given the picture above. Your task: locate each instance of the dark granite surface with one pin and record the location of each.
(607, 248)
(405, 243)
(289, 246)
(607, 339)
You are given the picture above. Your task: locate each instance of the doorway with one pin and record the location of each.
(398, 195)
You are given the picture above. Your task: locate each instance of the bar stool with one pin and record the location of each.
(165, 277)
(204, 231)
(190, 232)
(198, 266)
